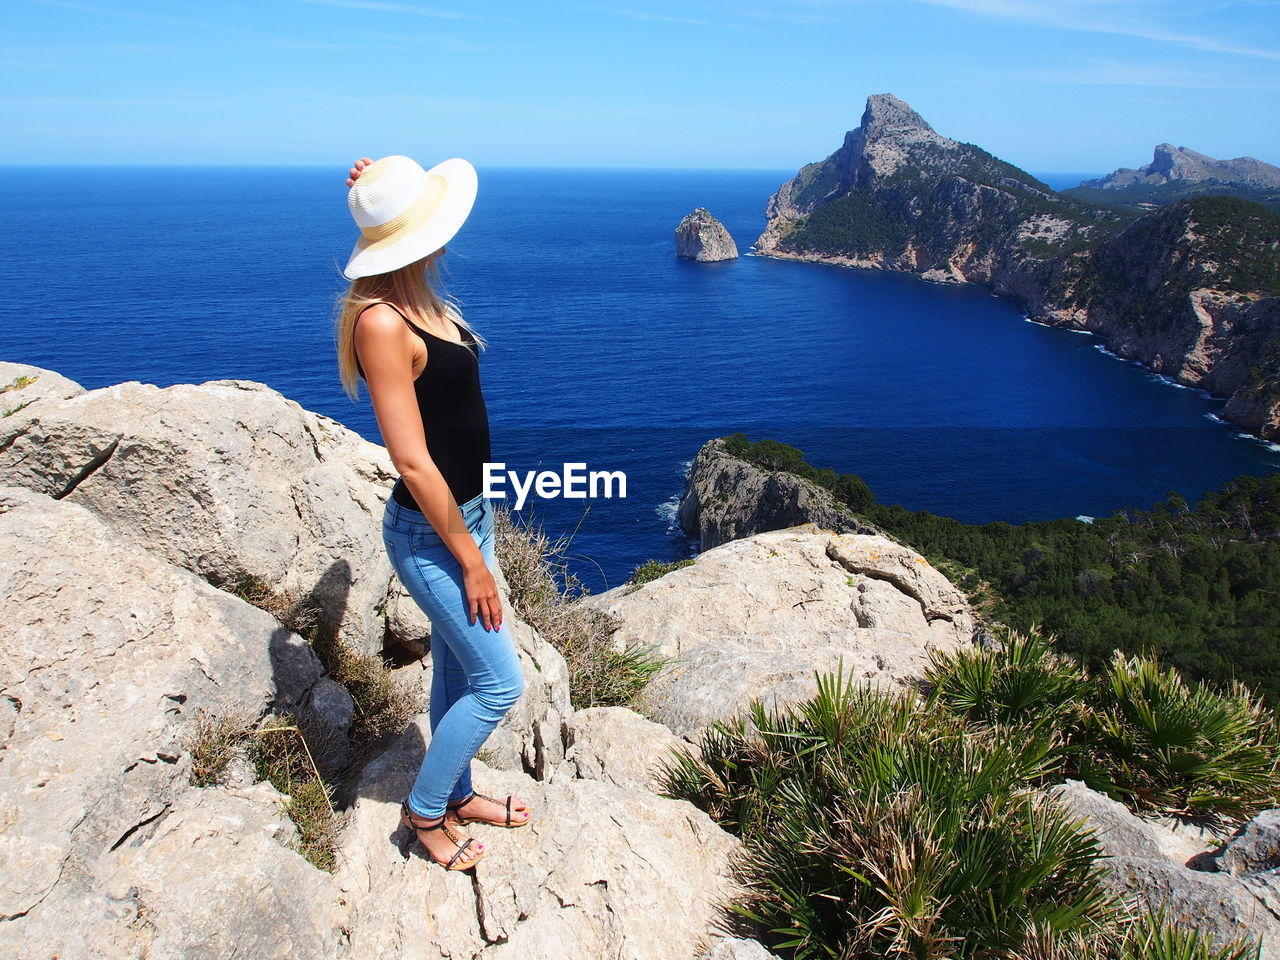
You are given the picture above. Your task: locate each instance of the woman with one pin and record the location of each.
(419, 359)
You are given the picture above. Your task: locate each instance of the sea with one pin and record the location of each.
(608, 352)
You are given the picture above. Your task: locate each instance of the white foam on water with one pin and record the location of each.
(1054, 326)
(669, 509)
(1243, 435)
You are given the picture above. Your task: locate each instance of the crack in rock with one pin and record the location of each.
(898, 582)
(89, 469)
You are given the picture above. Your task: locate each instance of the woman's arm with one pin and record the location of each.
(385, 347)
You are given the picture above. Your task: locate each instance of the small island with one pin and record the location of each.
(702, 237)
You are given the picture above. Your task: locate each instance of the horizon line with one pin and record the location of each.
(494, 166)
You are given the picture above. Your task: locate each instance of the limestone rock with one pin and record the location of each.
(1220, 906)
(620, 746)
(1254, 849)
(22, 385)
(757, 617)
(1164, 864)
(231, 479)
(1119, 833)
(586, 878)
(700, 236)
(109, 652)
(734, 948)
(726, 498)
(227, 478)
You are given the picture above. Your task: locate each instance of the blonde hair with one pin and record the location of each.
(415, 288)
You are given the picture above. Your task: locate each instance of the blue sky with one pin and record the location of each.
(1076, 85)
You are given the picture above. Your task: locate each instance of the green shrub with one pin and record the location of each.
(213, 743)
(1158, 743)
(1138, 935)
(876, 827)
(1023, 680)
(280, 756)
(653, 569)
(1137, 732)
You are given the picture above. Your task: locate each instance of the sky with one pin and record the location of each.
(1049, 85)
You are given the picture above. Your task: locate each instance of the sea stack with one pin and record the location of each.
(701, 236)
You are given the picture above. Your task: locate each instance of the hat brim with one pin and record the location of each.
(459, 197)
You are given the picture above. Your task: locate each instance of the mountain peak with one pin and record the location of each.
(886, 114)
(1170, 163)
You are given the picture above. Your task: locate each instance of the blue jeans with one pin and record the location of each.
(476, 676)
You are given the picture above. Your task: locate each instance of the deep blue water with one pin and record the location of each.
(607, 349)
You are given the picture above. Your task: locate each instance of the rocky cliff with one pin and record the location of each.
(126, 514)
(1170, 163)
(1189, 289)
(726, 498)
(700, 236)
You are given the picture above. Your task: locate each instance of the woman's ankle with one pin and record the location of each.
(422, 816)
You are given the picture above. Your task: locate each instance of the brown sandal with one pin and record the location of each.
(407, 817)
(454, 806)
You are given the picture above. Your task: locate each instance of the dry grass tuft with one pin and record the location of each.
(542, 591)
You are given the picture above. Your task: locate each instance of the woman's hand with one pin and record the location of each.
(356, 170)
(482, 596)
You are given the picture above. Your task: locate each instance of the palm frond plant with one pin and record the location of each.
(1023, 680)
(1161, 744)
(877, 827)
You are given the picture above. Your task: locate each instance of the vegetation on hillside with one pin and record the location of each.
(1136, 731)
(875, 824)
(1217, 243)
(1140, 197)
(928, 203)
(1198, 587)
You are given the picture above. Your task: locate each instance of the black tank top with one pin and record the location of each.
(454, 418)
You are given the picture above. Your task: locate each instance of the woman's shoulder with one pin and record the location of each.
(380, 320)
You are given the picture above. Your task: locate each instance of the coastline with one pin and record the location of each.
(956, 279)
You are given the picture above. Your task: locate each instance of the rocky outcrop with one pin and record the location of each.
(586, 878)
(757, 616)
(1254, 849)
(620, 746)
(1224, 889)
(1222, 341)
(110, 651)
(116, 649)
(700, 236)
(1170, 163)
(1190, 290)
(230, 479)
(726, 498)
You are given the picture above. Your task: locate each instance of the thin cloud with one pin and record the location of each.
(285, 42)
(1094, 18)
(437, 41)
(670, 18)
(385, 7)
(1120, 74)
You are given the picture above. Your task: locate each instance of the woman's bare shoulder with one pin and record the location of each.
(381, 322)
(379, 314)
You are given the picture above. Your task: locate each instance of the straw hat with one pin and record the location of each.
(405, 213)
